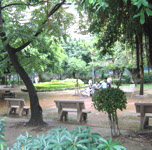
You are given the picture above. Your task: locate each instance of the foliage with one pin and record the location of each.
(76, 65)
(58, 84)
(2, 136)
(78, 56)
(147, 78)
(62, 139)
(116, 81)
(109, 100)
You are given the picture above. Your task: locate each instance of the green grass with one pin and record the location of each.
(58, 84)
(147, 86)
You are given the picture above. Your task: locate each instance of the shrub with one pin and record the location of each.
(2, 136)
(147, 78)
(62, 139)
(126, 79)
(109, 100)
(116, 81)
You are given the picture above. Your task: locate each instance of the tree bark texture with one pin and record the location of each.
(140, 39)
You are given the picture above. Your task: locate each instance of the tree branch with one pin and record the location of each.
(52, 11)
(21, 4)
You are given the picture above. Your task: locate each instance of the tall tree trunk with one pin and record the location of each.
(36, 110)
(140, 38)
(150, 48)
(137, 56)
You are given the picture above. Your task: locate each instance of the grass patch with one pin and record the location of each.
(58, 84)
(147, 86)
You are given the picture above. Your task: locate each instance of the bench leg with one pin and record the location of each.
(146, 122)
(13, 111)
(79, 117)
(9, 110)
(65, 116)
(84, 116)
(21, 112)
(62, 115)
(26, 111)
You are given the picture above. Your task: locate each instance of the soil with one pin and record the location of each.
(131, 137)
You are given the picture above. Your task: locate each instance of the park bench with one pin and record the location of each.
(7, 94)
(65, 106)
(145, 110)
(14, 104)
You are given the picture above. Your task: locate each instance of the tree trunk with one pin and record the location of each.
(120, 77)
(36, 110)
(137, 56)
(150, 49)
(141, 64)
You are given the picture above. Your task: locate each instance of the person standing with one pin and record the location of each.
(90, 83)
(109, 81)
(90, 86)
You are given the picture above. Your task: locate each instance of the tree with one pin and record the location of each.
(110, 100)
(14, 42)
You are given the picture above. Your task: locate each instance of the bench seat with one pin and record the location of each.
(67, 106)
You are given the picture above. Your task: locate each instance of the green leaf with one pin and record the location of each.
(103, 141)
(142, 18)
(144, 2)
(102, 146)
(100, 1)
(84, 141)
(119, 147)
(91, 1)
(137, 15)
(149, 12)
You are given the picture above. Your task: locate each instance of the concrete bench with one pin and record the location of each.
(14, 104)
(145, 110)
(66, 106)
(7, 94)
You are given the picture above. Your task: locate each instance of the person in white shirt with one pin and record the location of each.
(90, 83)
(109, 81)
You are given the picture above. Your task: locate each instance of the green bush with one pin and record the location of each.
(116, 81)
(58, 84)
(2, 136)
(147, 78)
(110, 100)
(62, 139)
(126, 79)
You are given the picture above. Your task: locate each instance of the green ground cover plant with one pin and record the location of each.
(2, 136)
(58, 84)
(60, 138)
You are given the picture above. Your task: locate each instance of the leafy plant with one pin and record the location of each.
(109, 100)
(2, 136)
(62, 139)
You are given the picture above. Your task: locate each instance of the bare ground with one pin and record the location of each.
(132, 138)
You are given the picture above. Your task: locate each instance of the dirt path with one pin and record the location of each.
(131, 137)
